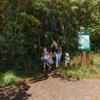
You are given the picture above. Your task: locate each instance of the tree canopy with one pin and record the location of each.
(27, 25)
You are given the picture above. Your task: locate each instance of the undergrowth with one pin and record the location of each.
(9, 78)
(75, 70)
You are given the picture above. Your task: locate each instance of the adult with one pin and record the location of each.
(57, 50)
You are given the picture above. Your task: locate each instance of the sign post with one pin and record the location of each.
(84, 46)
(84, 41)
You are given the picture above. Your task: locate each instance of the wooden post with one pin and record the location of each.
(85, 59)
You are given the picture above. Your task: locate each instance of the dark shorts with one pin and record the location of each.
(45, 62)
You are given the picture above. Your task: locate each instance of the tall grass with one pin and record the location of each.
(16, 76)
(75, 70)
(9, 78)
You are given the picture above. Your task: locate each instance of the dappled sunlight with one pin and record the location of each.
(15, 92)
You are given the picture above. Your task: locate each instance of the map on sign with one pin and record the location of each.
(83, 41)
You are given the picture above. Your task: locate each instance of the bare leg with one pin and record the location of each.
(44, 67)
(49, 66)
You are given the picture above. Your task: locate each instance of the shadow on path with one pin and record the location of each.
(45, 75)
(54, 74)
(15, 92)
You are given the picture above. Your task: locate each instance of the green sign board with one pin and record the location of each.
(84, 41)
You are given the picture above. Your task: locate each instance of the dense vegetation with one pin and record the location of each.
(28, 25)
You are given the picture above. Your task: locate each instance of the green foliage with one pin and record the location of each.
(76, 71)
(80, 73)
(29, 18)
(26, 25)
(15, 41)
(9, 78)
(63, 40)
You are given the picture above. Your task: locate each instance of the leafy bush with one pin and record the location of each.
(75, 62)
(76, 71)
(9, 78)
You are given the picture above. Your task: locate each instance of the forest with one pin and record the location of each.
(26, 26)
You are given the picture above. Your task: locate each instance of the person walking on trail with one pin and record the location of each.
(50, 59)
(45, 56)
(58, 52)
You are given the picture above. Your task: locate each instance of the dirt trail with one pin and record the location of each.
(58, 89)
(53, 89)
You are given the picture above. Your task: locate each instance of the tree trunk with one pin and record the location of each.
(62, 26)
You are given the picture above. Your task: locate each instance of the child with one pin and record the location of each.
(45, 56)
(50, 59)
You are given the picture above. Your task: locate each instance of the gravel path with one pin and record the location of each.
(58, 89)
